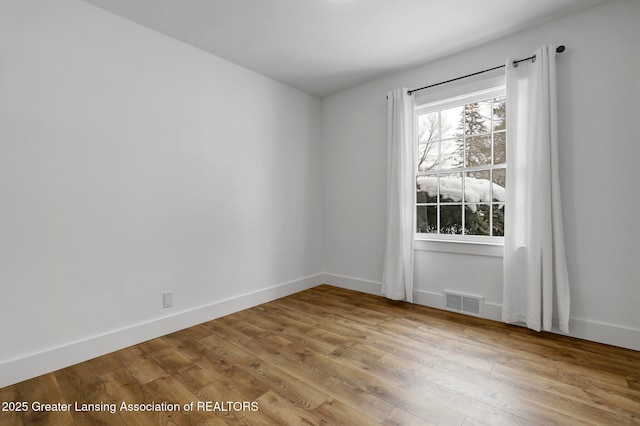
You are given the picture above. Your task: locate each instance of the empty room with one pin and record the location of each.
(325, 212)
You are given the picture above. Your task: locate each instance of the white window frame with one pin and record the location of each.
(490, 88)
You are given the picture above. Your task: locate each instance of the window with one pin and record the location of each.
(461, 167)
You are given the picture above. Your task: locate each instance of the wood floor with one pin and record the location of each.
(336, 357)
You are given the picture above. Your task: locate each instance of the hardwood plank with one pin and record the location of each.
(170, 391)
(13, 416)
(45, 390)
(399, 417)
(120, 386)
(633, 381)
(545, 408)
(78, 385)
(104, 364)
(146, 370)
(335, 412)
(154, 345)
(285, 412)
(170, 359)
(276, 379)
(293, 362)
(217, 392)
(287, 385)
(194, 378)
(188, 341)
(570, 400)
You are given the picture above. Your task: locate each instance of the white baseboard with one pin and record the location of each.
(36, 364)
(610, 334)
(356, 284)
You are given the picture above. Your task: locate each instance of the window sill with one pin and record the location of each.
(476, 248)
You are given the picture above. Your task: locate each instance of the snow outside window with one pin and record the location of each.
(461, 167)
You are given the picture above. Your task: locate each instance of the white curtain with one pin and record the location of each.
(535, 273)
(397, 281)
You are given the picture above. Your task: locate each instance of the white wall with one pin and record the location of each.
(598, 111)
(132, 164)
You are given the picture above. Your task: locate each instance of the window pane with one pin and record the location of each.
(477, 186)
(451, 219)
(427, 189)
(477, 117)
(498, 220)
(499, 148)
(427, 219)
(451, 122)
(451, 187)
(451, 155)
(476, 219)
(478, 150)
(461, 167)
(428, 128)
(427, 156)
(499, 113)
(499, 184)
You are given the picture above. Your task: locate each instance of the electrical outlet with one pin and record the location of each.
(167, 299)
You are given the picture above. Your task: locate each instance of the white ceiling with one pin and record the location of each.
(324, 46)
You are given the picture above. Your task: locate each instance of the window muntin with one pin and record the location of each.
(461, 167)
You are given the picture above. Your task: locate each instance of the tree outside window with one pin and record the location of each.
(461, 167)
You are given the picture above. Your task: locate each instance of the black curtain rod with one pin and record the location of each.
(559, 49)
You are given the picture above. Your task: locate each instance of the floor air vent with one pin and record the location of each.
(463, 303)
